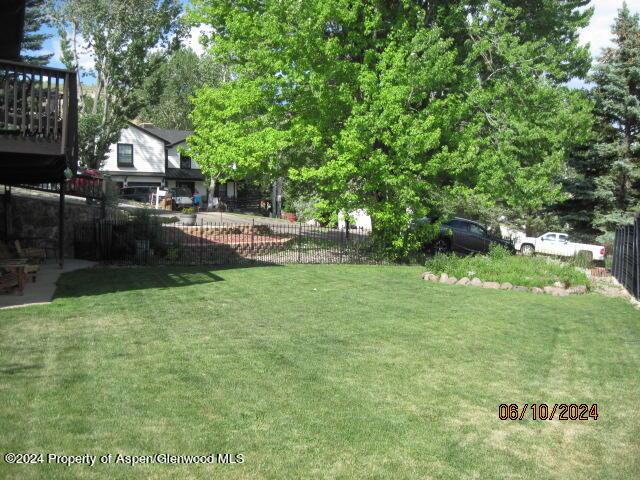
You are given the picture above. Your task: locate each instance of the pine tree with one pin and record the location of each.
(617, 106)
(35, 18)
(578, 211)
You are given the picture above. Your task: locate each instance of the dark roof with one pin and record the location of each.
(169, 136)
(183, 174)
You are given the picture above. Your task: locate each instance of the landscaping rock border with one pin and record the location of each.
(558, 289)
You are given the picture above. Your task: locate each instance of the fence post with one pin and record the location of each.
(614, 253)
(103, 198)
(636, 257)
(201, 239)
(300, 242)
(627, 233)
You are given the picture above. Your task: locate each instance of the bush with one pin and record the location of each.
(500, 266)
(499, 252)
(582, 260)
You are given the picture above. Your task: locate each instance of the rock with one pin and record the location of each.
(555, 291)
(615, 292)
(443, 278)
(476, 282)
(463, 281)
(452, 280)
(506, 286)
(537, 290)
(425, 275)
(519, 288)
(558, 284)
(493, 285)
(430, 277)
(577, 290)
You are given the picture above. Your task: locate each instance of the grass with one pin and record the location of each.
(501, 267)
(317, 372)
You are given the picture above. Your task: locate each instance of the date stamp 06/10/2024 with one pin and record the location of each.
(543, 411)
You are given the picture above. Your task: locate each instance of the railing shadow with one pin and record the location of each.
(91, 282)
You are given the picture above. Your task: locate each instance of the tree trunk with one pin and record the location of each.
(211, 196)
(276, 198)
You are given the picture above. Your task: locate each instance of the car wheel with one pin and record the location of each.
(441, 246)
(527, 250)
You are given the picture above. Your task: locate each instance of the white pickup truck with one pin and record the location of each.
(552, 243)
(182, 198)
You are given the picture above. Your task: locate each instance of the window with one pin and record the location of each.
(125, 154)
(457, 224)
(185, 162)
(549, 237)
(476, 229)
(563, 238)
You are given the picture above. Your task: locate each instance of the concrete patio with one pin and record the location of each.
(41, 292)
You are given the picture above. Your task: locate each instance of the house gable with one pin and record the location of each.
(148, 152)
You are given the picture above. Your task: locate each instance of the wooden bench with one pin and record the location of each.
(13, 279)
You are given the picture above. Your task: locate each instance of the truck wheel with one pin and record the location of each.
(527, 249)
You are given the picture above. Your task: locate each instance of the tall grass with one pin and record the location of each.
(500, 266)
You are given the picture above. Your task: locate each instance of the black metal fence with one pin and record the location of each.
(154, 242)
(626, 257)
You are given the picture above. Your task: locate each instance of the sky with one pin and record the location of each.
(597, 34)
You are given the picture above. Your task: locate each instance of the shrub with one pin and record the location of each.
(498, 252)
(582, 260)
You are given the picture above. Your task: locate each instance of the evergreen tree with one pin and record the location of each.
(35, 17)
(617, 106)
(578, 210)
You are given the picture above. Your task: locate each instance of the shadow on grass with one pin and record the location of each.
(13, 368)
(104, 280)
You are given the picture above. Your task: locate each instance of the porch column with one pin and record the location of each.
(61, 226)
(6, 199)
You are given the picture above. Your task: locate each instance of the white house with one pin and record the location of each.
(150, 157)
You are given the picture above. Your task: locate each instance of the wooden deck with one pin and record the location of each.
(38, 122)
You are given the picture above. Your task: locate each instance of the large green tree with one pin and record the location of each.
(405, 108)
(35, 18)
(617, 98)
(120, 37)
(166, 93)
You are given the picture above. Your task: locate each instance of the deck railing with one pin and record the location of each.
(38, 102)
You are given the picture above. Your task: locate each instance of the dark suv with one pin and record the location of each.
(139, 194)
(466, 236)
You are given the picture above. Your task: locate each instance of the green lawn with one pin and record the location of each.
(317, 372)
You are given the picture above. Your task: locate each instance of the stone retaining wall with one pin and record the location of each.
(35, 214)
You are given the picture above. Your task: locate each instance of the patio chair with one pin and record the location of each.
(35, 255)
(30, 268)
